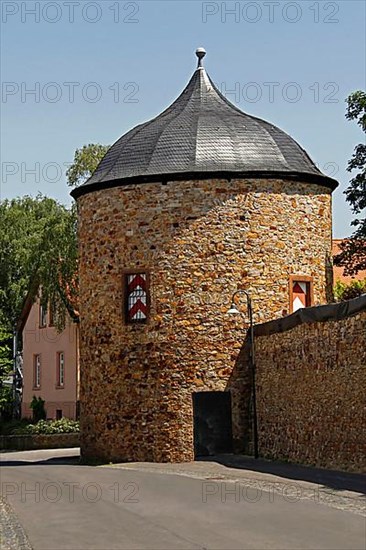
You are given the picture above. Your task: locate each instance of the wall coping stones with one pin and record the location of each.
(315, 314)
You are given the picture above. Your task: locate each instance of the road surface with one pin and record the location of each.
(62, 505)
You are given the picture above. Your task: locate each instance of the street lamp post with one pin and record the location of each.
(234, 311)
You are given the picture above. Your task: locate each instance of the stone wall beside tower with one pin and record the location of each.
(198, 240)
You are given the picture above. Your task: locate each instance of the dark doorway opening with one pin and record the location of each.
(212, 426)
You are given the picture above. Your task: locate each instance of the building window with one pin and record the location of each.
(301, 292)
(37, 371)
(60, 369)
(52, 315)
(58, 414)
(42, 315)
(137, 298)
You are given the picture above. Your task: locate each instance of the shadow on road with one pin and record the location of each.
(331, 479)
(337, 480)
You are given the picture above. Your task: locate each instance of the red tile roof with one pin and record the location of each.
(338, 271)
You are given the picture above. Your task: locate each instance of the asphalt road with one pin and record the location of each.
(63, 505)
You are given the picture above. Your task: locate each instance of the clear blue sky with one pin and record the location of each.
(140, 55)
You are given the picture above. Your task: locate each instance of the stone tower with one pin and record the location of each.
(182, 211)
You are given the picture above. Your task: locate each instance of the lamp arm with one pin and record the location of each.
(240, 291)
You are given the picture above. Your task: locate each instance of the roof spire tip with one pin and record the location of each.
(200, 53)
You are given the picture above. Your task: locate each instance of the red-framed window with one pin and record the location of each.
(301, 292)
(137, 297)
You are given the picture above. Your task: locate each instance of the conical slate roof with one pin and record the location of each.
(202, 135)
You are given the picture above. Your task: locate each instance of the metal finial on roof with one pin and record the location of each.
(200, 53)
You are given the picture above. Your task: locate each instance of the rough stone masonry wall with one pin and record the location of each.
(311, 394)
(200, 240)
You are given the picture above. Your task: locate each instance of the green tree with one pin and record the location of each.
(38, 409)
(347, 291)
(85, 162)
(6, 368)
(37, 248)
(353, 250)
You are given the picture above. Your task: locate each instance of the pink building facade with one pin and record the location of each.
(50, 363)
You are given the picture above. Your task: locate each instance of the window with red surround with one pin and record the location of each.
(137, 297)
(301, 292)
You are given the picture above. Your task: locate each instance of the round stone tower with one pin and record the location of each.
(182, 211)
